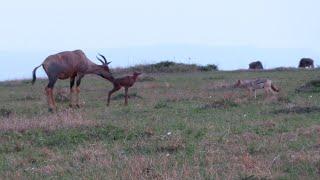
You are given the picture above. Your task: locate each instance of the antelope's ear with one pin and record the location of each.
(109, 62)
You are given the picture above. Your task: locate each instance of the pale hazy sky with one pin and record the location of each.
(92, 25)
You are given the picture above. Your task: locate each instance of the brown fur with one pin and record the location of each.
(125, 82)
(70, 64)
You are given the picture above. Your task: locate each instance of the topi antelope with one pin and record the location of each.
(74, 65)
(126, 82)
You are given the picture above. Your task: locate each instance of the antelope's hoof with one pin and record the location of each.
(78, 106)
(73, 106)
(52, 110)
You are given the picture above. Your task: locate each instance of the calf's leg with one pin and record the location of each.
(115, 88)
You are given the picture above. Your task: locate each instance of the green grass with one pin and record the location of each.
(177, 126)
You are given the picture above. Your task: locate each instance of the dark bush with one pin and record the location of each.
(168, 67)
(164, 64)
(209, 67)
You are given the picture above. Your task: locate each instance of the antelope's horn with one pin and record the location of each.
(100, 60)
(104, 58)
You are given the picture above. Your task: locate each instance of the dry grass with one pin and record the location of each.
(185, 126)
(63, 119)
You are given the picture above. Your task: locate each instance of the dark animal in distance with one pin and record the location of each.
(255, 65)
(126, 82)
(306, 63)
(74, 65)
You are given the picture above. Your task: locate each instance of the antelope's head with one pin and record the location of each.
(104, 70)
(136, 73)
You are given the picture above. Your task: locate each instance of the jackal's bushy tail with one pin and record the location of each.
(274, 88)
(34, 77)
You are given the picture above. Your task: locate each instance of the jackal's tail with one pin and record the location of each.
(274, 88)
(34, 77)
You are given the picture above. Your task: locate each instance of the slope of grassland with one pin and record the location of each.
(177, 126)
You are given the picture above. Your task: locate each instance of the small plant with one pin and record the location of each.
(161, 104)
(146, 78)
(4, 112)
(222, 103)
(311, 86)
(131, 95)
(247, 177)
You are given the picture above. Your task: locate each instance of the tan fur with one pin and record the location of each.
(253, 84)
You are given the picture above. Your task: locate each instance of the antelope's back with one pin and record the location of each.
(66, 61)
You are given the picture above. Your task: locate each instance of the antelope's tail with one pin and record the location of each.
(34, 77)
(274, 88)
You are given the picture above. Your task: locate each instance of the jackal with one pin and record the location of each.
(253, 84)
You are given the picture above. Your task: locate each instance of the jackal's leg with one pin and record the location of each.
(266, 90)
(126, 96)
(72, 91)
(255, 94)
(250, 90)
(115, 88)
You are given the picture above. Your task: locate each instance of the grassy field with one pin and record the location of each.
(177, 126)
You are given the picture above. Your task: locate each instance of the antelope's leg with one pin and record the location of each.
(77, 97)
(126, 96)
(49, 93)
(49, 99)
(115, 88)
(72, 92)
(79, 77)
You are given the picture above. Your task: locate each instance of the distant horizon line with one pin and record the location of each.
(280, 68)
